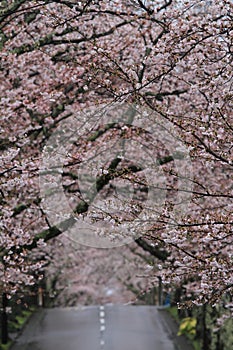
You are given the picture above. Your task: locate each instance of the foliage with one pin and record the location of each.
(218, 325)
(188, 326)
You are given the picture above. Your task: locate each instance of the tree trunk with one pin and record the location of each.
(206, 341)
(4, 319)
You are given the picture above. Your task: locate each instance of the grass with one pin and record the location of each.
(6, 346)
(174, 313)
(20, 320)
(196, 344)
(16, 325)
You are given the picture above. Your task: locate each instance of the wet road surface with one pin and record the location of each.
(110, 327)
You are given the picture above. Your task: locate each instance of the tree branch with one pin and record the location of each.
(155, 251)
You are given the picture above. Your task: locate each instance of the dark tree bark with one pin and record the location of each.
(155, 251)
(4, 319)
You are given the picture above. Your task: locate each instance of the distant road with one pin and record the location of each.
(111, 327)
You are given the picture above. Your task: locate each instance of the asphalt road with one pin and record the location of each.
(111, 327)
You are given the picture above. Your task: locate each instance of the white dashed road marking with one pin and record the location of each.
(102, 325)
(102, 328)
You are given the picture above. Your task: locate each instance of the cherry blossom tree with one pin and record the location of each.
(87, 275)
(173, 58)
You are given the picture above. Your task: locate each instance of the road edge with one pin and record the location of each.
(37, 315)
(180, 342)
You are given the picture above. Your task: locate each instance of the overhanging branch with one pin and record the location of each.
(155, 251)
